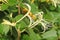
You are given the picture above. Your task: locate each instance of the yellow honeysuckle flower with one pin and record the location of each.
(34, 17)
(47, 0)
(32, 1)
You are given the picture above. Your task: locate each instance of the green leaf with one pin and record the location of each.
(13, 9)
(21, 25)
(50, 35)
(58, 8)
(12, 2)
(51, 16)
(14, 32)
(18, 17)
(48, 16)
(4, 29)
(59, 33)
(4, 7)
(33, 35)
(4, 38)
(52, 38)
(51, 7)
(34, 8)
(55, 16)
(42, 0)
(26, 20)
(25, 37)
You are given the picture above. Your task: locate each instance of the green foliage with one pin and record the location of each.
(4, 6)
(4, 29)
(12, 2)
(17, 20)
(51, 35)
(33, 35)
(34, 8)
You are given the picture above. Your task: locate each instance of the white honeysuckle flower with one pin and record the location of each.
(4, 1)
(29, 7)
(11, 15)
(30, 20)
(0, 0)
(5, 22)
(40, 17)
(58, 1)
(8, 23)
(54, 2)
(13, 24)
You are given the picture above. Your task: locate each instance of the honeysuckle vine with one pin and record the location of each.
(36, 22)
(13, 24)
(32, 24)
(29, 19)
(39, 20)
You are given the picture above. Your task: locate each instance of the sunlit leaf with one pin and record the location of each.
(34, 8)
(18, 17)
(4, 7)
(4, 29)
(50, 35)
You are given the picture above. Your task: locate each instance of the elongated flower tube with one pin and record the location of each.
(26, 13)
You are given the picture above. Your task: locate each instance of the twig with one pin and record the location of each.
(19, 34)
(18, 7)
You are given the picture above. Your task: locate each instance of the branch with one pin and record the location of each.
(18, 7)
(19, 34)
